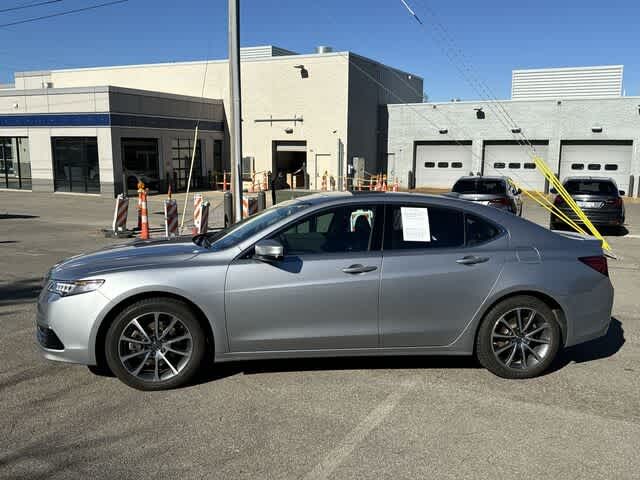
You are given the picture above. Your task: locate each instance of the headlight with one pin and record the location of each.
(65, 288)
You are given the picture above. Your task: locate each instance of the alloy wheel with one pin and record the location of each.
(521, 338)
(155, 346)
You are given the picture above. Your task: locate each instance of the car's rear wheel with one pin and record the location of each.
(518, 338)
(155, 344)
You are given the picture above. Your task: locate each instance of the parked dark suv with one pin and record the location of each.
(598, 197)
(498, 192)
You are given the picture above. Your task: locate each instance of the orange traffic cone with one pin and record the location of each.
(396, 185)
(224, 182)
(144, 218)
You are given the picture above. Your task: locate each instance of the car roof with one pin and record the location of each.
(588, 177)
(482, 177)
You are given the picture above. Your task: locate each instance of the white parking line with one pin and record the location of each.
(336, 456)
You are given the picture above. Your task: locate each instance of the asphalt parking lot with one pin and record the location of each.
(360, 418)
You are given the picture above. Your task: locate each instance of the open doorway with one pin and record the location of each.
(140, 163)
(290, 158)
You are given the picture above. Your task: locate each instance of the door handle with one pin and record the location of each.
(353, 269)
(471, 260)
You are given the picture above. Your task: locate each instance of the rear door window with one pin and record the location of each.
(479, 231)
(590, 187)
(413, 227)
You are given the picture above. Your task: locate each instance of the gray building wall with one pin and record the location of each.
(547, 120)
(370, 86)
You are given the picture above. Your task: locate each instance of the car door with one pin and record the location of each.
(439, 264)
(322, 295)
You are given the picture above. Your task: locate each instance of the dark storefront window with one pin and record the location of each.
(217, 156)
(75, 164)
(181, 150)
(15, 163)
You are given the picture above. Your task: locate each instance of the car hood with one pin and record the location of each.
(134, 255)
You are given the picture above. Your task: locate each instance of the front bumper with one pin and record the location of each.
(65, 325)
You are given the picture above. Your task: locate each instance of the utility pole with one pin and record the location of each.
(236, 110)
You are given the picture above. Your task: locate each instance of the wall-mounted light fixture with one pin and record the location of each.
(638, 109)
(559, 102)
(443, 131)
(288, 130)
(479, 113)
(304, 73)
(516, 130)
(596, 129)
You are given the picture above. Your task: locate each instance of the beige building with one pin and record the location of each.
(319, 110)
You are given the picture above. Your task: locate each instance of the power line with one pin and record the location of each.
(59, 14)
(29, 5)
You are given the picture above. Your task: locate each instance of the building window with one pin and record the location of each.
(443, 164)
(514, 165)
(611, 167)
(181, 151)
(217, 157)
(429, 164)
(15, 163)
(140, 160)
(577, 166)
(498, 165)
(75, 164)
(594, 166)
(456, 164)
(530, 166)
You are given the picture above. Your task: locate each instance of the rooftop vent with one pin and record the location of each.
(324, 49)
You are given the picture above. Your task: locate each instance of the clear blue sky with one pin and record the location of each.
(496, 36)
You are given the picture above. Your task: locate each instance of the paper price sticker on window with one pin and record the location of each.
(415, 224)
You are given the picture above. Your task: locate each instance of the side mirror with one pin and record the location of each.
(554, 191)
(269, 251)
(519, 191)
(622, 193)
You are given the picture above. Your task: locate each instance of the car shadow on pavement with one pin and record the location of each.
(21, 291)
(13, 216)
(620, 231)
(597, 349)
(253, 367)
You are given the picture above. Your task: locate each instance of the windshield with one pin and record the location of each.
(590, 187)
(252, 225)
(480, 186)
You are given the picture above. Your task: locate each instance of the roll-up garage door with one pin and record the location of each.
(597, 159)
(513, 160)
(440, 164)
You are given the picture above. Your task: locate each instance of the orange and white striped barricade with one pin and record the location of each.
(120, 213)
(249, 206)
(265, 181)
(323, 185)
(252, 183)
(171, 218)
(384, 183)
(396, 185)
(144, 217)
(332, 183)
(224, 181)
(197, 213)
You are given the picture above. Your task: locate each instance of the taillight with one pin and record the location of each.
(616, 202)
(598, 263)
(558, 200)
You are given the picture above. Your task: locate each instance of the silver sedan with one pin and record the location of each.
(331, 275)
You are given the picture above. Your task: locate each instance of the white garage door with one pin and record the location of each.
(514, 161)
(597, 160)
(439, 166)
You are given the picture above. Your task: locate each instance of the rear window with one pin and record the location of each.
(481, 186)
(593, 187)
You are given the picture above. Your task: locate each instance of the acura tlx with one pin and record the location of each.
(331, 275)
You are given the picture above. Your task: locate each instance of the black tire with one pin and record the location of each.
(485, 340)
(169, 306)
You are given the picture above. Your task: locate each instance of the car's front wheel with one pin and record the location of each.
(518, 338)
(155, 344)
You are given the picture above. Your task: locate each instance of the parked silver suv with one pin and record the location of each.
(498, 192)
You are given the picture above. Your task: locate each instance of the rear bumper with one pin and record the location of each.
(588, 313)
(602, 217)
